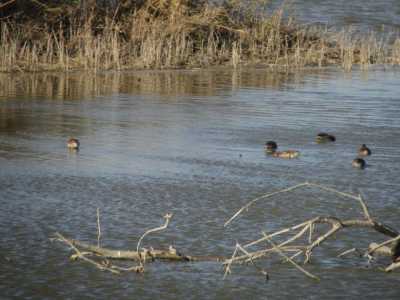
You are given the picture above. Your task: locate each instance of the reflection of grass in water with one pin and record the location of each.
(176, 34)
(78, 85)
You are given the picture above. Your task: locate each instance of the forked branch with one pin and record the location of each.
(295, 234)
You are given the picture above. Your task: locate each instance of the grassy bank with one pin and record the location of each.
(177, 34)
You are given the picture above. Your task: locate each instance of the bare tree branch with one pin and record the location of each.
(291, 260)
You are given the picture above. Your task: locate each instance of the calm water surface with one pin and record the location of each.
(191, 143)
(360, 15)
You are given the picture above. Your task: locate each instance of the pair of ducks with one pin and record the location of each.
(271, 147)
(359, 162)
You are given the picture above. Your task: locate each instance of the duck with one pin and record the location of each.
(286, 154)
(271, 146)
(358, 163)
(73, 144)
(324, 137)
(364, 150)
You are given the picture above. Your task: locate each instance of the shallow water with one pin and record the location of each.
(191, 143)
(361, 15)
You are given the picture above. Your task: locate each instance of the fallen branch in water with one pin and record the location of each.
(297, 233)
(82, 255)
(154, 254)
(83, 250)
(100, 257)
(294, 242)
(279, 250)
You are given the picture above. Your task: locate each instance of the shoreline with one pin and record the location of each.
(183, 34)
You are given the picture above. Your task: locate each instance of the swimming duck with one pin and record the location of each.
(364, 150)
(323, 137)
(358, 163)
(271, 146)
(286, 154)
(73, 144)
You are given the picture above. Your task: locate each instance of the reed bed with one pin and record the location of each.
(182, 34)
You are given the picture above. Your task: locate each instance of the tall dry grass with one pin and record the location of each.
(176, 34)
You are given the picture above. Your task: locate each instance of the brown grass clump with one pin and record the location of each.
(175, 34)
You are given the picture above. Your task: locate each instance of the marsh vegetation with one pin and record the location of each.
(148, 34)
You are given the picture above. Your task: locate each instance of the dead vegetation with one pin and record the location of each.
(294, 244)
(91, 35)
(300, 240)
(102, 257)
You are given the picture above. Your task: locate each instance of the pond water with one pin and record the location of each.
(364, 16)
(191, 143)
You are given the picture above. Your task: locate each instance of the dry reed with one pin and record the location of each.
(180, 34)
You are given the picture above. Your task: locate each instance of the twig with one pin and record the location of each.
(291, 188)
(322, 187)
(83, 257)
(229, 262)
(295, 237)
(288, 241)
(372, 250)
(7, 3)
(384, 250)
(311, 232)
(291, 260)
(296, 254)
(264, 197)
(167, 217)
(319, 240)
(98, 228)
(285, 230)
(365, 208)
(393, 266)
(348, 252)
(260, 253)
(262, 271)
(310, 225)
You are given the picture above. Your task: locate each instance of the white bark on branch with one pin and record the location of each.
(336, 225)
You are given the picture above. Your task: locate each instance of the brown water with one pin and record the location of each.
(191, 143)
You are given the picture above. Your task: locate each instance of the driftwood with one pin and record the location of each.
(294, 242)
(101, 257)
(153, 254)
(297, 233)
